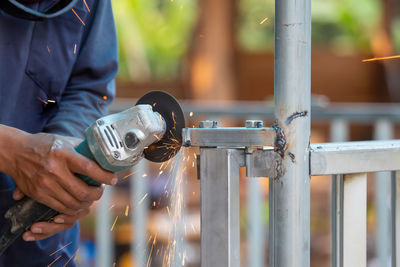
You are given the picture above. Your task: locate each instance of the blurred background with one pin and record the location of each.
(217, 58)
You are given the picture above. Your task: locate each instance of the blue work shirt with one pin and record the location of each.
(56, 76)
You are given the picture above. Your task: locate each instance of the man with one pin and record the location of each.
(56, 78)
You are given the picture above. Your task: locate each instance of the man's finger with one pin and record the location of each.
(64, 197)
(82, 165)
(68, 219)
(18, 195)
(79, 189)
(44, 230)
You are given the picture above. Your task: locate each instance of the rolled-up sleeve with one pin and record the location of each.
(91, 86)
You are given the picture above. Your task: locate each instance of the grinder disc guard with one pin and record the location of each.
(167, 106)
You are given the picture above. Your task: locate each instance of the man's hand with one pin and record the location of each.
(43, 230)
(43, 167)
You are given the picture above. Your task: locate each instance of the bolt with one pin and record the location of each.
(254, 123)
(116, 154)
(100, 122)
(208, 124)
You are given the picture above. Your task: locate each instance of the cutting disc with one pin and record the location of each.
(171, 111)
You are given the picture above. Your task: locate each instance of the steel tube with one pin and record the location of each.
(354, 157)
(337, 221)
(339, 132)
(220, 226)
(104, 238)
(255, 221)
(383, 130)
(228, 137)
(290, 205)
(139, 188)
(355, 220)
(395, 210)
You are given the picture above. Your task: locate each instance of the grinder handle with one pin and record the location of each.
(84, 150)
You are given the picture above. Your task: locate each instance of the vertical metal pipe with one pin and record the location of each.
(104, 239)
(355, 220)
(395, 209)
(139, 214)
(290, 205)
(383, 130)
(220, 210)
(256, 228)
(256, 233)
(179, 211)
(337, 221)
(339, 132)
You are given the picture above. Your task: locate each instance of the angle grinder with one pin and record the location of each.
(151, 129)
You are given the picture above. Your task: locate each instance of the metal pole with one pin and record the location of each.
(220, 225)
(256, 233)
(140, 205)
(290, 194)
(355, 220)
(395, 196)
(104, 238)
(383, 130)
(178, 208)
(339, 132)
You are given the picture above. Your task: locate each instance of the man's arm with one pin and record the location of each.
(91, 86)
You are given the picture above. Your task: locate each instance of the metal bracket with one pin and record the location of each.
(263, 163)
(231, 137)
(257, 143)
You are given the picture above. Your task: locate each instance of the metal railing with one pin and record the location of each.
(340, 117)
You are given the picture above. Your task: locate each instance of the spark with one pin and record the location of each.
(86, 5)
(48, 48)
(54, 261)
(157, 137)
(60, 249)
(379, 58)
(76, 14)
(112, 227)
(42, 100)
(74, 49)
(105, 97)
(127, 210)
(191, 114)
(143, 198)
(264, 20)
(73, 256)
(162, 165)
(130, 174)
(169, 214)
(151, 250)
(51, 101)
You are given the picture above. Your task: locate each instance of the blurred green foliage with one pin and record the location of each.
(343, 25)
(153, 36)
